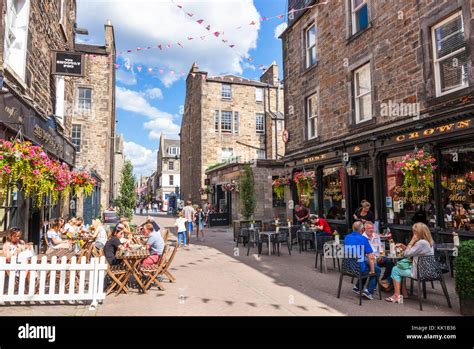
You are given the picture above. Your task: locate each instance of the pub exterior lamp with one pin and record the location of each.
(351, 169)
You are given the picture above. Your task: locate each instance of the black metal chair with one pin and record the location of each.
(243, 234)
(303, 237)
(351, 267)
(262, 238)
(252, 238)
(282, 237)
(428, 269)
(320, 241)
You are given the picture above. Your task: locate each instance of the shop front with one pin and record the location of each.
(372, 170)
(20, 121)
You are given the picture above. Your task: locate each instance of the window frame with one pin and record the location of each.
(171, 180)
(314, 117)
(171, 165)
(229, 157)
(224, 94)
(236, 122)
(176, 149)
(357, 97)
(77, 147)
(354, 11)
(79, 99)
(257, 123)
(257, 94)
(437, 61)
(309, 48)
(229, 122)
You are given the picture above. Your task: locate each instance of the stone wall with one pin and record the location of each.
(398, 46)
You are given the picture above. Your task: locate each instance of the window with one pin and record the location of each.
(84, 98)
(360, 15)
(260, 123)
(226, 121)
(217, 121)
(16, 36)
(362, 94)
(450, 57)
(171, 165)
(312, 116)
(173, 151)
(76, 137)
(227, 153)
(60, 99)
(334, 203)
(226, 91)
(259, 94)
(310, 44)
(171, 180)
(261, 154)
(236, 122)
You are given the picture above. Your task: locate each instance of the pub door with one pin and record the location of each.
(361, 189)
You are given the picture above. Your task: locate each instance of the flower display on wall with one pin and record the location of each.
(305, 184)
(279, 186)
(229, 187)
(28, 168)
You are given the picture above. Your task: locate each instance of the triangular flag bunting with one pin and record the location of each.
(159, 46)
(129, 51)
(150, 70)
(190, 38)
(200, 21)
(117, 66)
(224, 41)
(281, 16)
(208, 27)
(161, 71)
(264, 19)
(169, 46)
(179, 6)
(139, 69)
(216, 34)
(139, 48)
(179, 44)
(190, 14)
(252, 23)
(193, 75)
(232, 46)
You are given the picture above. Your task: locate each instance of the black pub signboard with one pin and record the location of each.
(68, 63)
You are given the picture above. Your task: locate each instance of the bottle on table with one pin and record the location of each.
(456, 239)
(336, 237)
(392, 247)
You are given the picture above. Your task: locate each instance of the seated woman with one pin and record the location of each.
(112, 245)
(421, 244)
(98, 234)
(54, 236)
(80, 225)
(12, 243)
(70, 227)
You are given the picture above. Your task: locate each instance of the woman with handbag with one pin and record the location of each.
(421, 244)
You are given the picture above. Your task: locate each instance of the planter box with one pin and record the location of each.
(467, 307)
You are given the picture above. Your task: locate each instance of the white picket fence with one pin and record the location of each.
(30, 281)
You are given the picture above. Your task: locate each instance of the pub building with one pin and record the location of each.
(363, 167)
(20, 120)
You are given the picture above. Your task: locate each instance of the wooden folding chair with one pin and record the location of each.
(166, 271)
(153, 271)
(166, 235)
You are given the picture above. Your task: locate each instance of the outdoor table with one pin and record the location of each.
(394, 257)
(270, 234)
(59, 253)
(131, 261)
(448, 249)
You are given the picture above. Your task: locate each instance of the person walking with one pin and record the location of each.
(189, 213)
(200, 221)
(181, 225)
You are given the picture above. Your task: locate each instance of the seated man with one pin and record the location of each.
(357, 246)
(154, 244)
(376, 244)
(322, 225)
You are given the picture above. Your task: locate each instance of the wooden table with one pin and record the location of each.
(59, 253)
(131, 261)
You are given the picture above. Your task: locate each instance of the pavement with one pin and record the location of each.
(214, 278)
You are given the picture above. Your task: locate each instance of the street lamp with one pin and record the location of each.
(351, 169)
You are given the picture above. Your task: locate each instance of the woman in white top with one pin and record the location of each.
(12, 244)
(98, 234)
(70, 227)
(54, 236)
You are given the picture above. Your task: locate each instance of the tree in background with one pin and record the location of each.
(127, 198)
(247, 192)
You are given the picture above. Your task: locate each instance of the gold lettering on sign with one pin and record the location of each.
(446, 128)
(437, 130)
(11, 111)
(464, 124)
(413, 135)
(356, 148)
(314, 158)
(428, 132)
(400, 138)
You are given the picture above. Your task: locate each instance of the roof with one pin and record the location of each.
(94, 49)
(234, 79)
(169, 143)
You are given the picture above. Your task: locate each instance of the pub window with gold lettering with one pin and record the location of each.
(401, 209)
(457, 189)
(333, 193)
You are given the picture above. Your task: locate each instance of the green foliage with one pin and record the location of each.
(464, 270)
(126, 201)
(247, 193)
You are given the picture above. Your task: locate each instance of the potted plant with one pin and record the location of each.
(305, 184)
(464, 277)
(417, 169)
(279, 186)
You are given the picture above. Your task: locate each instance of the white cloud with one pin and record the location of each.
(159, 121)
(280, 29)
(142, 159)
(154, 93)
(150, 22)
(126, 78)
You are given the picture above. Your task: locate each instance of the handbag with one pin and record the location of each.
(404, 264)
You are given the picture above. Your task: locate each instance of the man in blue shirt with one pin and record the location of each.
(357, 246)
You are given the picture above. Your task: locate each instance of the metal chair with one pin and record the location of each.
(320, 242)
(283, 237)
(351, 267)
(252, 238)
(242, 235)
(428, 269)
(303, 237)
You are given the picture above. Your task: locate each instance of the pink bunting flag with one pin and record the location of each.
(117, 66)
(216, 34)
(200, 21)
(150, 70)
(161, 71)
(159, 46)
(172, 72)
(208, 27)
(139, 69)
(252, 23)
(203, 77)
(193, 75)
(280, 16)
(224, 41)
(129, 51)
(264, 19)
(139, 48)
(179, 6)
(232, 46)
(180, 45)
(190, 14)
(169, 46)
(190, 38)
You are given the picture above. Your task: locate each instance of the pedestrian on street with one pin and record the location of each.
(189, 213)
(181, 224)
(200, 221)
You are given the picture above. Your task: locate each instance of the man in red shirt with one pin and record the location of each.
(322, 225)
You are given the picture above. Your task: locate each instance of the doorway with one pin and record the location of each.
(361, 189)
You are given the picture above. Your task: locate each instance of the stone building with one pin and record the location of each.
(118, 165)
(94, 122)
(168, 170)
(228, 118)
(34, 100)
(367, 82)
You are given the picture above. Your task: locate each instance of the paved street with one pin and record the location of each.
(213, 278)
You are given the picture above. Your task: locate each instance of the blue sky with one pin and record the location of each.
(150, 102)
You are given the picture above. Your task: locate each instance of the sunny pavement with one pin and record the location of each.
(215, 278)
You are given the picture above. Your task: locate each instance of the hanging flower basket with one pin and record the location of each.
(28, 168)
(305, 184)
(279, 186)
(418, 171)
(229, 187)
(206, 190)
